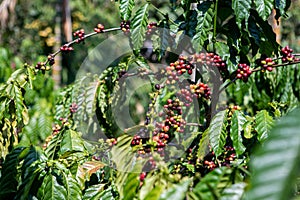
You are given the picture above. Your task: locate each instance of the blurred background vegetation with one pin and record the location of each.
(30, 29)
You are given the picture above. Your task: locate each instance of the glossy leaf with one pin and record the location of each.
(9, 174)
(152, 188)
(72, 187)
(96, 192)
(204, 24)
(126, 7)
(93, 192)
(204, 145)
(217, 132)
(233, 192)
(131, 184)
(275, 165)
(280, 5)
(178, 191)
(52, 189)
(241, 9)
(236, 128)
(264, 123)
(207, 188)
(264, 8)
(139, 26)
(29, 174)
(71, 142)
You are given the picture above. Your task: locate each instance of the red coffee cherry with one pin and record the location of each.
(99, 28)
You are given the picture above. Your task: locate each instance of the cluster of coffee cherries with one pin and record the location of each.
(231, 109)
(151, 28)
(181, 66)
(225, 159)
(111, 141)
(142, 176)
(51, 60)
(66, 48)
(173, 120)
(73, 107)
(228, 156)
(99, 28)
(55, 130)
(136, 140)
(201, 90)
(243, 72)
(208, 59)
(287, 55)
(42, 66)
(79, 34)
(185, 96)
(267, 64)
(125, 26)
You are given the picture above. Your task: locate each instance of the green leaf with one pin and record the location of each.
(21, 110)
(121, 154)
(139, 27)
(234, 192)
(154, 193)
(280, 5)
(275, 165)
(9, 172)
(93, 192)
(71, 142)
(164, 37)
(28, 183)
(152, 187)
(72, 187)
(130, 186)
(177, 192)
(126, 7)
(204, 145)
(204, 24)
(263, 125)
(236, 128)
(53, 145)
(248, 130)
(217, 132)
(52, 189)
(96, 192)
(264, 8)
(241, 9)
(208, 187)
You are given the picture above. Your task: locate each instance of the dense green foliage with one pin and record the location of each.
(222, 122)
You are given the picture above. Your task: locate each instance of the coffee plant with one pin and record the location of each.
(203, 106)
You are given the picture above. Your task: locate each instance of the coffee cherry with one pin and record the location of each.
(143, 176)
(201, 90)
(125, 27)
(157, 86)
(178, 68)
(287, 55)
(151, 28)
(111, 141)
(66, 48)
(80, 35)
(267, 64)
(99, 28)
(243, 72)
(73, 107)
(51, 59)
(40, 65)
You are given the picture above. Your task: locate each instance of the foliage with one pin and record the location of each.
(187, 143)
